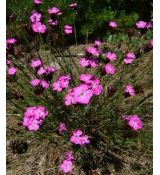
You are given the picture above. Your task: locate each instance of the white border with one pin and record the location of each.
(3, 87)
(156, 87)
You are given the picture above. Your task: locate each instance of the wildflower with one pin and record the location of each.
(11, 41)
(141, 24)
(63, 82)
(34, 116)
(73, 5)
(83, 94)
(97, 43)
(79, 138)
(62, 128)
(37, 2)
(40, 85)
(112, 24)
(111, 56)
(69, 98)
(89, 62)
(12, 71)
(84, 62)
(47, 70)
(53, 22)
(66, 166)
(38, 27)
(129, 58)
(92, 82)
(130, 90)
(36, 63)
(35, 17)
(92, 51)
(68, 29)
(54, 11)
(134, 121)
(149, 25)
(110, 69)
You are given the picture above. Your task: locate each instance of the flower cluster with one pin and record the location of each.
(34, 116)
(143, 25)
(134, 121)
(62, 83)
(129, 58)
(79, 138)
(40, 85)
(84, 92)
(37, 26)
(66, 165)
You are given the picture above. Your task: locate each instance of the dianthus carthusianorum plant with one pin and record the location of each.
(77, 97)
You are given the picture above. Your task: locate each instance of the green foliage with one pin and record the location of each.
(92, 15)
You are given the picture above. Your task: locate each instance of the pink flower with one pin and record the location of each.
(12, 71)
(44, 84)
(8, 62)
(35, 17)
(93, 51)
(112, 24)
(84, 62)
(90, 62)
(38, 27)
(35, 82)
(79, 138)
(97, 43)
(69, 98)
(130, 90)
(66, 166)
(73, 5)
(11, 41)
(129, 58)
(83, 94)
(63, 82)
(37, 2)
(47, 70)
(110, 69)
(40, 84)
(149, 25)
(141, 24)
(93, 83)
(54, 11)
(62, 127)
(53, 22)
(68, 29)
(134, 122)
(93, 62)
(34, 116)
(111, 56)
(36, 63)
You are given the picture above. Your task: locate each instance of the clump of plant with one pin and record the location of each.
(80, 100)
